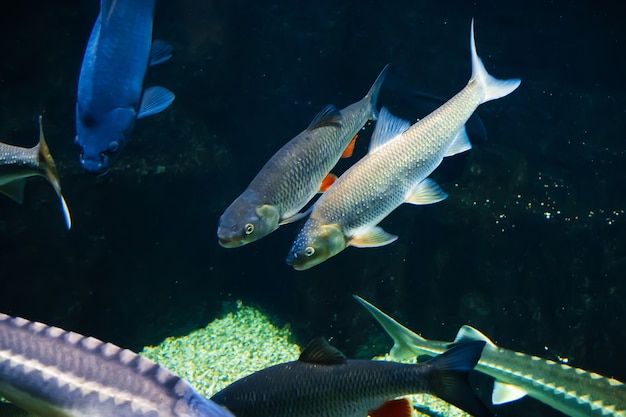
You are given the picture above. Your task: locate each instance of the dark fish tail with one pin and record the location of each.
(448, 378)
(372, 95)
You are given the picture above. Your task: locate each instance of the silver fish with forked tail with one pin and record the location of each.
(322, 382)
(17, 164)
(298, 171)
(395, 171)
(54, 373)
(573, 391)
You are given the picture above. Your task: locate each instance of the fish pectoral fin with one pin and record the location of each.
(460, 143)
(154, 100)
(394, 408)
(327, 182)
(387, 127)
(347, 153)
(426, 192)
(505, 393)
(372, 238)
(14, 189)
(295, 217)
(328, 116)
(161, 51)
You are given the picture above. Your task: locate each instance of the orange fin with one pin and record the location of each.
(347, 153)
(394, 408)
(327, 182)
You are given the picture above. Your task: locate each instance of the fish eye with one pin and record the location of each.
(113, 146)
(249, 228)
(309, 251)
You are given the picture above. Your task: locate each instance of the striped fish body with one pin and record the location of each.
(313, 386)
(395, 171)
(294, 174)
(572, 391)
(51, 372)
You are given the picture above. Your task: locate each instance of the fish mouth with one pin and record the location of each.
(227, 242)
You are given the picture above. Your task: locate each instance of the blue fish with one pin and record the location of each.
(110, 96)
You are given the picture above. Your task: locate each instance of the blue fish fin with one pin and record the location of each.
(426, 192)
(460, 143)
(161, 51)
(296, 217)
(506, 393)
(14, 189)
(328, 116)
(387, 127)
(449, 377)
(371, 238)
(154, 100)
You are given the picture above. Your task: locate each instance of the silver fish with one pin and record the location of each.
(50, 372)
(573, 391)
(395, 171)
(294, 174)
(17, 164)
(322, 382)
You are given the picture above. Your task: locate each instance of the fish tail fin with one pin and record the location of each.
(49, 170)
(449, 381)
(372, 95)
(493, 88)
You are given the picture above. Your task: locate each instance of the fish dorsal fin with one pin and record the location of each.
(468, 333)
(319, 352)
(387, 127)
(372, 237)
(154, 100)
(460, 143)
(329, 116)
(426, 192)
(394, 408)
(505, 393)
(160, 52)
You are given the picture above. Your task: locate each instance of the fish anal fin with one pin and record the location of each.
(426, 192)
(319, 352)
(328, 116)
(460, 143)
(347, 153)
(327, 182)
(372, 237)
(394, 408)
(505, 393)
(160, 52)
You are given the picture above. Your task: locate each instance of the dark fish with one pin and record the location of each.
(324, 383)
(110, 96)
(54, 373)
(17, 164)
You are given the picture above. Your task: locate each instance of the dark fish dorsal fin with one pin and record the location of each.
(319, 352)
(329, 116)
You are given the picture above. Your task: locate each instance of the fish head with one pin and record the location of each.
(315, 243)
(245, 221)
(101, 136)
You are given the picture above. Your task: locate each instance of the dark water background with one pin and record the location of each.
(529, 247)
